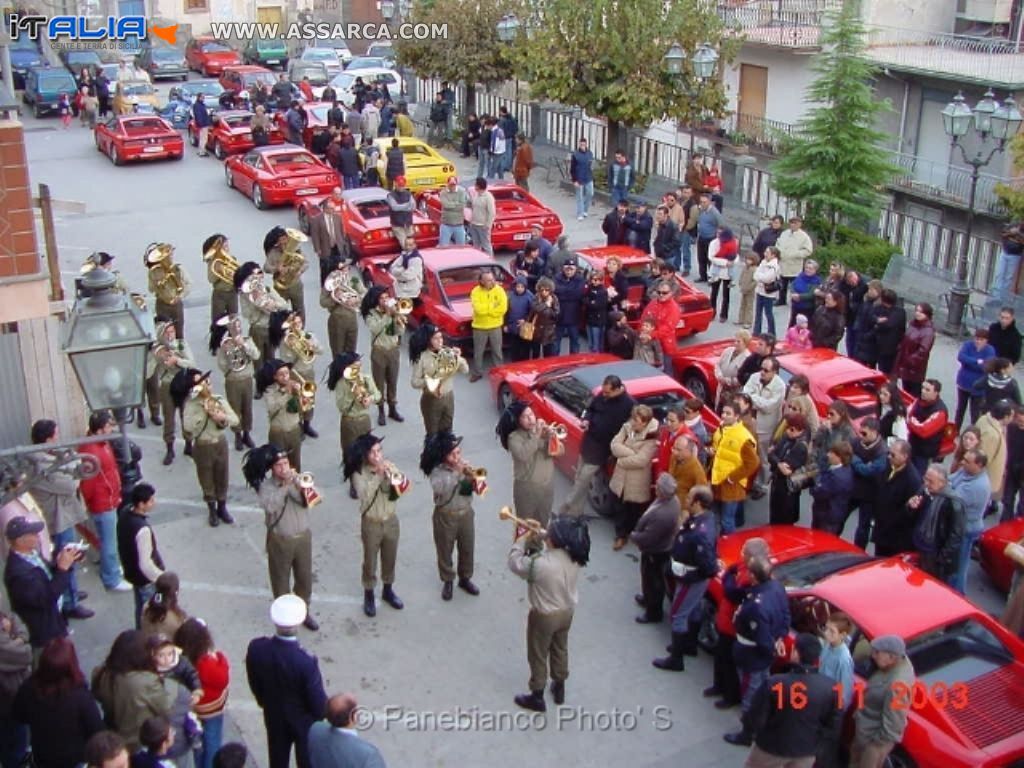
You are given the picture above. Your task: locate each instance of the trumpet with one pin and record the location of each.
(340, 290)
(309, 492)
(446, 366)
(534, 526)
(474, 473)
(307, 392)
(292, 262)
(554, 429)
(404, 307)
(397, 478)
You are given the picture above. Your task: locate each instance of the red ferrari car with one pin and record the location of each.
(697, 313)
(998, 566)
(965, 711)
(517, 211)
(230, 133)
(316, 114)
(559, 389)
(209, 56)
(365, 217)
(124, 138)
(449, 274)
(279, 175)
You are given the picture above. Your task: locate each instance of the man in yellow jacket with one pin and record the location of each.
(734, 463)
(490, 303)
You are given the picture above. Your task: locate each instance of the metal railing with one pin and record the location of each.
(760, 132)
(947, 183)
(785, 23)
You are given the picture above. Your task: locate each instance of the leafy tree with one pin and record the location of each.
(606, 56)
(471, 53)
(1012, 196)
(833, 164)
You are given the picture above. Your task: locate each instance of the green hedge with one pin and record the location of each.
(856, 250)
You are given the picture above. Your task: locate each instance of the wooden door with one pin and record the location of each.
(753, 98)
(270, 14)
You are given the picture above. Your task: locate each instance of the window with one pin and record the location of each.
(569, 393)
(196, 6)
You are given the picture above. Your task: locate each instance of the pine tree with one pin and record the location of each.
(834, 164)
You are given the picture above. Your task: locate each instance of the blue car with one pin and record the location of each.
(178, 109)
(43, 87)
(24, 55)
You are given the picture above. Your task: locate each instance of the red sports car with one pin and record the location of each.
(965, 710)
(517, 211)
(138, 137)
(365, 217)
(449, 274)
(697, 313)
(559, 389)
(316, 117)
(991, 545)
(209, 56)
(279, 175)
(230, 133)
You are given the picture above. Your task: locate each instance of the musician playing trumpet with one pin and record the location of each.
(236, 358)
(256, 302)
(223, 298)
(354, 393)
(533, 445)
(275, 247)
(207, 417)
(167, 282)
(437, 403)
(340, 294)
(379, 485)
(386, 325)
(282, 395)
(172, 355)
(298, 348)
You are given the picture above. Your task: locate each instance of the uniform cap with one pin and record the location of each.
(21, 526)
(288, 611)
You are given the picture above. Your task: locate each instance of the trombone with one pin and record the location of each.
(533, 526)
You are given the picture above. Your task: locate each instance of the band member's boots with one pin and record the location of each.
(188, 447)
(169, 456)
(446, 591)
(155, 419)
(394, 414)
(533, 700)
(558, 691)
(674, 661)
(140, 422)
(307, 429)
(223, 514)
(239, 445)
(381, 418)
(247, 440)
(369, 603)
(389, 597)
(211, 506)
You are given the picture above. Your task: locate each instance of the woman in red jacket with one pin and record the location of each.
(911, 365)
(196, 643)
(102, 496)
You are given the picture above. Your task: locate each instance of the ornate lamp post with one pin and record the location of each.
(703, 65)
(989, 119)
(508, 30)
(392, 11)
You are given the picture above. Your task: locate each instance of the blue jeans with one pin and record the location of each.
(959, 582)
(1006, 270)
(110, 563)
(142, 595)
(584, 197)
(60, 540)
(686, 250)
(728, 511)
(351, 182)
(619, 194)
(749, 683)
(573, 332)
(213, 735)
(595, 337)
(495, 166)
(453, 233)
(481, 167)
(765, 306)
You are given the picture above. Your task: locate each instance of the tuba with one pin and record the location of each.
(307, 392)
(169, 288)
(447, 365)
(340, 290)
(256, 292)
(222, 264)
(292, 261)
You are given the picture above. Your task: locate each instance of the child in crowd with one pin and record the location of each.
(90, 106)
(799, 335)
(837, 664)
(156, 737)
(647, 349)
(747, 287)
(620, 339)
(64, 110)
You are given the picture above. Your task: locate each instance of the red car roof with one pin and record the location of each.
(591, 369)
(826, 362)
(243, 68)
(450, 256)
(599, 255)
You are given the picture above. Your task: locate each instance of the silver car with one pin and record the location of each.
(328, 57)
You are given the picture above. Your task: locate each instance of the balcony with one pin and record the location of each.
(757, 133)
(948, 184)
(792, 24)
(984, 61)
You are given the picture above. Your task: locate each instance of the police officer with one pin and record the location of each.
(285, 681)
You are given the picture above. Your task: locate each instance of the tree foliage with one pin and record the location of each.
(605, 56)
(1012, 197)
(833, 165)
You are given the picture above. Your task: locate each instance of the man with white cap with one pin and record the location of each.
(881, 721)
(286, 683)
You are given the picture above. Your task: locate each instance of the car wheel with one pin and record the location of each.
(505, 397)
(228, 178)
(707, 631)
(115, 156)
(218, 150)
(599, 494)
(36, 111)
(177, 157)
(899, 759)
(257, 197)
(193, 138)
(694, 382)
(303, 220)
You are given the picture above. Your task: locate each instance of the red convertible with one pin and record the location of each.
(230, 133)
(965, 711)
(138, 137)
(697, 313)
(998, 566)
(365, 218)
(559, 389)
(449, 274)
(517, 211)
(279, 175)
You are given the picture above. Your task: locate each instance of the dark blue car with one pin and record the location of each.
(24, 55)
(43, 87)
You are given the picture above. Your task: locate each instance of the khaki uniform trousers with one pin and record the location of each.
(379, 536)
(451, 531)
(260, 337)
(175, 313)
(342, 332)
(296, 297)
(758, 758)
(385, 365)
(352, 430)
(223, 303)
(168, 411)
(211, 460)
(547, 637)
(290, 441)
(438, 412)
(533, 500)
(239, 394)
(288, 556)
(153, 394)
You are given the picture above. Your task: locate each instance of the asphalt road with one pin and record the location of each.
(439, 677)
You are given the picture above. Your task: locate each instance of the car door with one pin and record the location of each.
(563, 400)
(248, 166)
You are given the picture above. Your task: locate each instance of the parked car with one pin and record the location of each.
(366, 222)
(230, 133)
(242, 77)
(43, 87)
(77, 60)
(266, 53)
(162, 61)
(140, 94)
(340, 47)
(343, 83)
(24, 56)
(425, 168)
(209, 56)
(326, 56)
(367, 62)
(178, 109)
(279, 175)
(991, 548)
(317, 74)
(126, 138)
(383, 50)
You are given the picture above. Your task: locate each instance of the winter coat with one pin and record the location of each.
(15, 663)
(395, 163)
(570, 295)
(864, 328)
(615, 228)
(914, 350)
(56, 493)
(606, 415)
(61, 723)
(656, 530)
(825, 438)
(831, 493)
(972, 362)
(788, 450)
(641, 225)
(520, 307)
(768, 399)
(868, 465)
(620, 341)
(665, 315)
(129, 698)
(789, 731)
(802, 293)
(766, 238)
(794, 249)
(890, 325)
(939, 532)
(894, 520)
(595, 306)
(993, 443)
(545, 318)
(926, 422)
(827, 327)
(1006, 341)
(995, 387)
(734, 463)
(974, 491)
(634, 452)
(767, 272)
(666, 241)
(581, 167)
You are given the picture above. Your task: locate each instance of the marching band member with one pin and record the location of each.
(432, 375)
(299, 349)
(172, 355)
(552, 574)
(453, 483)
(205, 418)
(386, 325)
(283, 397)
(105, 261)
(379, 485)
(168, 282)
(340, 294)
(353, 398)
(256, 303)
(286, 508)
(223, 297)
(152, 383)
(274, 245)
(533, 447)
(236, 358)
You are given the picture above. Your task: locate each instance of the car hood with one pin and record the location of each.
(23, 58)
(224, 56)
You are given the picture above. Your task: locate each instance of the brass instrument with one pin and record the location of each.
(446, 367)
(353, 374)
(163, 352)
(222, 264)
(340, 290)
(310, 493)
(404, 307)
(292, 261)
(233, 346)
(479, 477)
(399, 482)
(534, 526)
(307, 392)
(301, 344)
(556, 433)
(140, 301)
(256, 292)
(170, 287)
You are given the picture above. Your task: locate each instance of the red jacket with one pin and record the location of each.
(666, 440)
(665, 315)
(102, 492)
(214, 675)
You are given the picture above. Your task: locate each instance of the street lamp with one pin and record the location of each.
(705, 60)
(508, 28)
(990, 119)
(107, 336)
(387, 9)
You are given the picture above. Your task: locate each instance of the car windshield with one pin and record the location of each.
(457, 282)
(270, 45)
(373, 209)
(662, 402)
(237, 121)
(137, 89)
(210, 88)
(166, 54)
(214, 48)
(55, 81)
(510, 194)
(962, 650)
(318, 114)
(366, 62)
(343, 81)
(291, 158)
(141, 126)
(417, 150)
(805, 571)
(252, 78)
(320, 54)
(384, 50)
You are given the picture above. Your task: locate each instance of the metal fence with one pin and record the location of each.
(784, 23)
(948, 183)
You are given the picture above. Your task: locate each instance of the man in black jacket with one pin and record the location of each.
(894, 520)
(602, 420)
(136, 544)
(653, 535)
(666, 239)
(793, 711)
(1013, 484)
(614, 225)
(869, 467)
(35, 587)
(640, 224)
(1004, 336)
(890, 325)
(940, 524)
